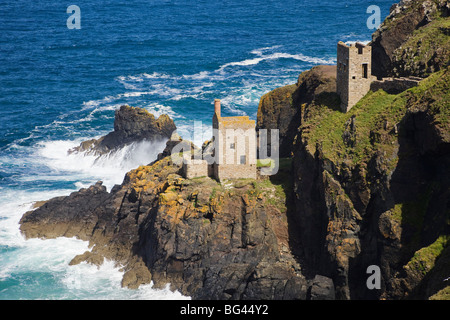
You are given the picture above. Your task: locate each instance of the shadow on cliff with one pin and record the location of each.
(284, 178)
(416, 199)
(420, 188)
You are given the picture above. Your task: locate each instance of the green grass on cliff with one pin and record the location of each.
(275, 189)
(375, 117)
(328, 125)
(443, 294)
(425, 44)
(424, 259)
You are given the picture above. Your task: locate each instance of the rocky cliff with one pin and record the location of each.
(372, 188)
(414, 40)
(208, 240)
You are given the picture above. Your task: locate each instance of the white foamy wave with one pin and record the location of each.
(230, 103)
(133, 82)
(196, 91)
(142, 76)
(158, 109)
(106, 101)
(14, 205)
(42, 256)
(109, 107)
(198, 76)
(183, 96)
(91, 104)
(156, 75)
(134, 94)
(110, 168)
(352, 42)
(275, 56)
(261, 50)
(247, 62)
(50, 259)
(104, 282)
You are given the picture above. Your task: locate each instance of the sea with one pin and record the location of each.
(60, 85)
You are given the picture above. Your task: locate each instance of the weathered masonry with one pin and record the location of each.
(234, 145)
(354, 75)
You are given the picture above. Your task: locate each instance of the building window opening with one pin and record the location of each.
(365, 71)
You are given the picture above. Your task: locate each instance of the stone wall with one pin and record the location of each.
(342, 73)
(195, 168)
(394, 85)
(235, 147)
(230, 171)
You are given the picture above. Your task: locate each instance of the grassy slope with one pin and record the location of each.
(375, 118)
(325, 124)
(425, 44)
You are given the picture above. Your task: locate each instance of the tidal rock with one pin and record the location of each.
(131, 124)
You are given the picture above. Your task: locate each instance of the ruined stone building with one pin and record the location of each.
(354, 76)
(234, 146)
(234, 149)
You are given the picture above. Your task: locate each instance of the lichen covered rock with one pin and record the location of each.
(208, 240)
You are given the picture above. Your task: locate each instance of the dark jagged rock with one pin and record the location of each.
(74, 215)
(322, 288)
(280, 109)
(377, 194)
(181, 144)
(413, 40)
(208, 240)
(130, 125)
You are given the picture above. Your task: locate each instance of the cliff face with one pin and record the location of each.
(414, 40)
(372, 188)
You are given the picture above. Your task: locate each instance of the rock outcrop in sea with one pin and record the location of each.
(130, 125)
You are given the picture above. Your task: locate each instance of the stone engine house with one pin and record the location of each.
(234, 149)
(354, 75)
(234, 146)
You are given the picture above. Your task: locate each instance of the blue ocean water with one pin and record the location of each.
(60, 86)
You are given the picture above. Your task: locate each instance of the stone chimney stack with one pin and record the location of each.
(217, 107)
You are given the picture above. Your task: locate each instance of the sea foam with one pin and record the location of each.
(39, 269)
(110, 168)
